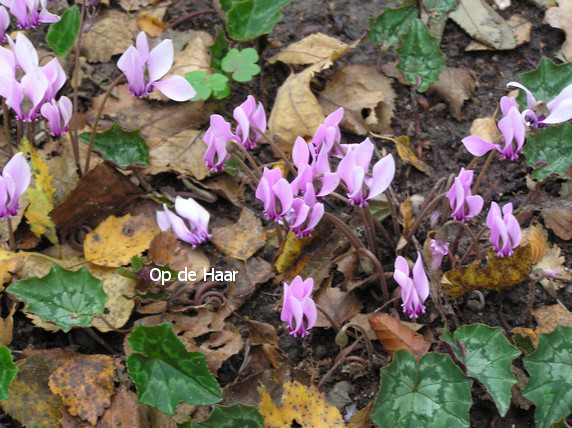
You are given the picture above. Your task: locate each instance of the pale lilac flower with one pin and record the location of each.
(414, 291)
(298, 308)
(439, 249)
(505, 230)
(464, 205)
(4, 23)
(559, 109)
(353, 169)
(144, 69)
(27, 14)
(275, 193)
(305, 214)
(249, 115)
(328, 132)
(190, 223)
(58, 114)
(26, 97)
(14, 181)
(216, 138)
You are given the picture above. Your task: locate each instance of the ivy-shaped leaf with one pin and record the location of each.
(546, 81)
(550, 369)
(165, 373)
(242, 64)
(218, 50)
(125, 148)
(205, 85)
(387, 29)
(549, 151)
(488, 356)
(66, 298)
(8, 371)
(249, 19)
(431, 392)
(420, 58)
(62, 34)
(237, 415)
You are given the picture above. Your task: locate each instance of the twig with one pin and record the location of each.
(188, 16)
(12, 241)
(334, 325)
(100, 340)
(484, 171)
(75, 133)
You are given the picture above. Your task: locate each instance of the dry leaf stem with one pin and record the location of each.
(75, 130)
(12, 241)
(475, 246)
(188, 16)
(484, 171)
(276, 149)
(463, 227)
(426, 210)
(325, 313)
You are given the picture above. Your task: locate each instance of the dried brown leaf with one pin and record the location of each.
(242, 239)
(340, 305)
(150, 24)
(311, 49)
(547, 319)
(112, 33)
(485, 127)
(7, 327)
(394, 335)
(260, 333)
(521, 28)
(561, 17)
(455, 86)
(557, 214)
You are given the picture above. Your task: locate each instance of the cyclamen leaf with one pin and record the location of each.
(165, 373)
(66, 298)
(8, 371)
(242, 64)
(488, 356)
(249, 19)
(62, 34)
(387, 29)
(420, 58)
(549, 151)
(546, 81)
(431, 392)
(125, 148)
(237, 415)
(550, 369)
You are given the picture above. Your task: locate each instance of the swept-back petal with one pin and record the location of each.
(176, 88)
(478, 146)
(160, 60)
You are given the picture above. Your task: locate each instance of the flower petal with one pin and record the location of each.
(478, 146)
(160, 60)
(176, 88)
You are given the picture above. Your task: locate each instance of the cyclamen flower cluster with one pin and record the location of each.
(27, 14)
(14, 181)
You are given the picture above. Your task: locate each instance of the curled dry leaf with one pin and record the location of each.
(394, 335)
(7, 326)
(407, 215)
(150, 24)
(557, 214)
(218, 347)
(455, 86)
(251, 274)
(311, 49)
(241, 239)
(366, 96)
(521, 28)
(404, 151)
(10, 262)
(561, 17)
(261, 333)
(485, 127)
(291, 251)
(85, 384)
(547, 319)
(533, 235)
(340, 305)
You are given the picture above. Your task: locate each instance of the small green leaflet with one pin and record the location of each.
(379, 207)
(125, 148)
(546, 81)
(165, 373)
(420, 58)
(218, 50)
(387, 29)
(550, 383)
(242, 64)
(8, 371)
(66, 298)
(235, 416)
(488, 356)
(549, 151)
(249, 19)
(62, 34)
(205, 85)
(440, 7)
(431, 392)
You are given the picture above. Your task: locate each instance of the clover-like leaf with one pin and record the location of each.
(8, 371)
(218, 50)
(549, 151)
(62, 34)
(546, 81)
(488, 356)
(219, 85)
(420, 58)
(165, 373)
(242, 64)
(237, 415)
(66, 298)
(550, 369)
(430, 392)
(387, 29)
(206, 85)
(125, 148)
(249, 19)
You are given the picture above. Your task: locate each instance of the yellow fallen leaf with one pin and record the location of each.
(10, 263)
(153, 26)
(486, 128)
(7, 327)
(406, 212)
(242, 239)
(291, 251)
(405, 153)
(300, 403)
(117, 239)
(547, 319)
(312, 49)
(533, 236)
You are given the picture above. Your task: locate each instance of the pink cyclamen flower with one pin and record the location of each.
(190, 224)
(216, 138)
(328, 132)
(4, 23)
(305, 214)
(27, 14)
(144, 69)
(505, 230)
(353, 169)
(464, 205)
(58, 114)
(275, 193)
(559, 108)
(14, 181)
(414, 291)
(513, 131)
(249, 115)
(298, 308)
(439, 249)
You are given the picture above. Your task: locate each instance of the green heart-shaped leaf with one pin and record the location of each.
(62, 34)
(165, 373)
(8, 371)
(387, 29)
(205, 85)
(431, 392)
(66, 298)
(549, 151)
(249, 19)
(237, 415)
(242, 64)
(550, 369)
(546, 81)
(488, 356)
(125, 148)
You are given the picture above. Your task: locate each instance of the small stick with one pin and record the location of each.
(75, 133)
(12, 241)
(188, 16)
(334, 325)
(484, 171)
(6, 117)
(277, 149)
(100, 340)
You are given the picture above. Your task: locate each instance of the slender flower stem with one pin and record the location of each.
(75, 131)
(188, 16)
(30, 131)
(474, 247)
(334, 325)
(392, 201)
(368, 231)
(247, 170)
(276, 149)
(484, 171)
(423, 214)
(6, 117)
(379, 269)
(97, 117)
(279, 235)
(463, 226)
(19, 131)
(248, 156)
(11, 239)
